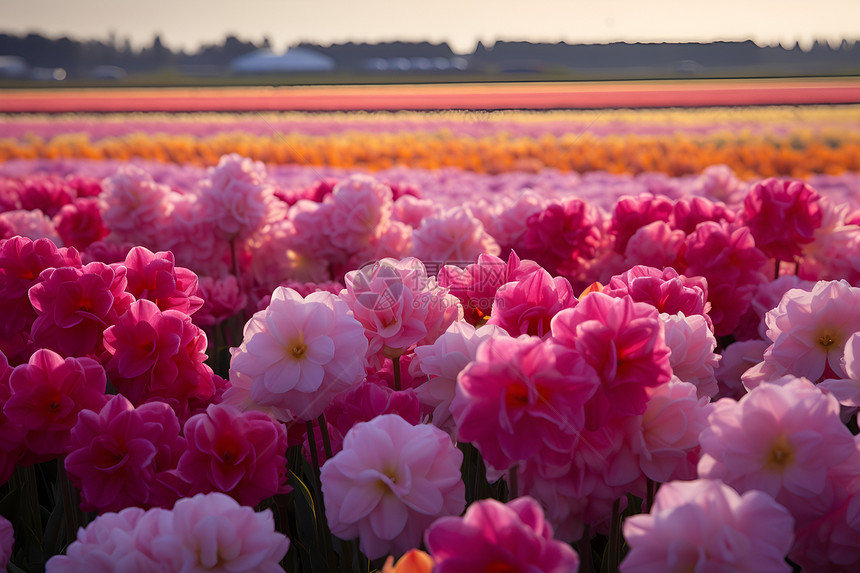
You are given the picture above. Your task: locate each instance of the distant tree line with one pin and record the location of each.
(79, 57)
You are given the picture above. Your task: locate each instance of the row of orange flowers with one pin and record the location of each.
(795, 155)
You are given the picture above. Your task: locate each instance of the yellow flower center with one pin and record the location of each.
(826, 340)
(781, 454)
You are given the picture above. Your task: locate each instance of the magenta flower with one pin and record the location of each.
(76, 305)
(214, 533)
(7, 541)
(704, 525)
(21, 264)
(155, 277)
(632, 213)
(624, 342)
(727, 257)
(390, 482)
(154, 354)
(80, 224)
(522, 398)
(655, 244)
(780, 439)
(563, 235)
(297, 355)
(46, 395)
(527, 306)
(782, 216)
(242, 454)
(476, 285)
(665, 290)
(122, 456)
(689, 211)
(493, 536)
(222, 298)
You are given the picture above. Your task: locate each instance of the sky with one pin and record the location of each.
(187, 24)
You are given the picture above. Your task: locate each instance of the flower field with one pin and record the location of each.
(599, 340)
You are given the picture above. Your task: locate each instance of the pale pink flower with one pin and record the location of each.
(667, 440)
(522, 398)
(692, 347)
(655, 244)
(706, 526)
(412, 210)
(835, 251)
(237, 198)
(527, 306)
(214, 533)
(281, 252)
(767, 297)
(138, 207)
(242, 454)
(509, 220)
(809, 329)
(781, 438)
(493, 536)
(7, 541)
(440, 363)
(390, 482)
(297, 354)
(113, 542)
(782, 216)
(736, 359)
(721, 183)
(31, 224)
(361, 209)
(847, 390)
(451, 236)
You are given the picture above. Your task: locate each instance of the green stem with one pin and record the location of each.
(614, 549)
(650, 490)
(585, 553)
(322, 522)
(325, 437)
(71, 504)
(396, 367)
(776, 270)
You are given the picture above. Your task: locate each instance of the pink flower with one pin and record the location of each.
(222, 298)
(736, 359)
(298, 354)
(632, 213)
(32, 224)
(412, 210)
(48, 393)
(242, 454)
(720, 182)
(509, 217)
(522, 398)
(780, 439)
(453, 235)
(563, 235)
(360, 210)
(21, 264)
(476, 285)
(158, 354)
(7, 541)
(76, 305)
(138, 207)
(726, 256)
(782, 216)
(527, 306)
(214, 533)
(809, 329)
(390, 482)
(705, 525)
(112, 542)
(847, 390)
(668, 439)
(80, 224)
(665, 290)
(689, 211)
(392, 300)
(655, 244)
(440, 363)
(692, 346)
(834, 253)
(237, 198)
(122, 456)
(624, 342)
(155, 277)
(493, 536)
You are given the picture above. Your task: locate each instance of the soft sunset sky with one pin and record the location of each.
(188, 23)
